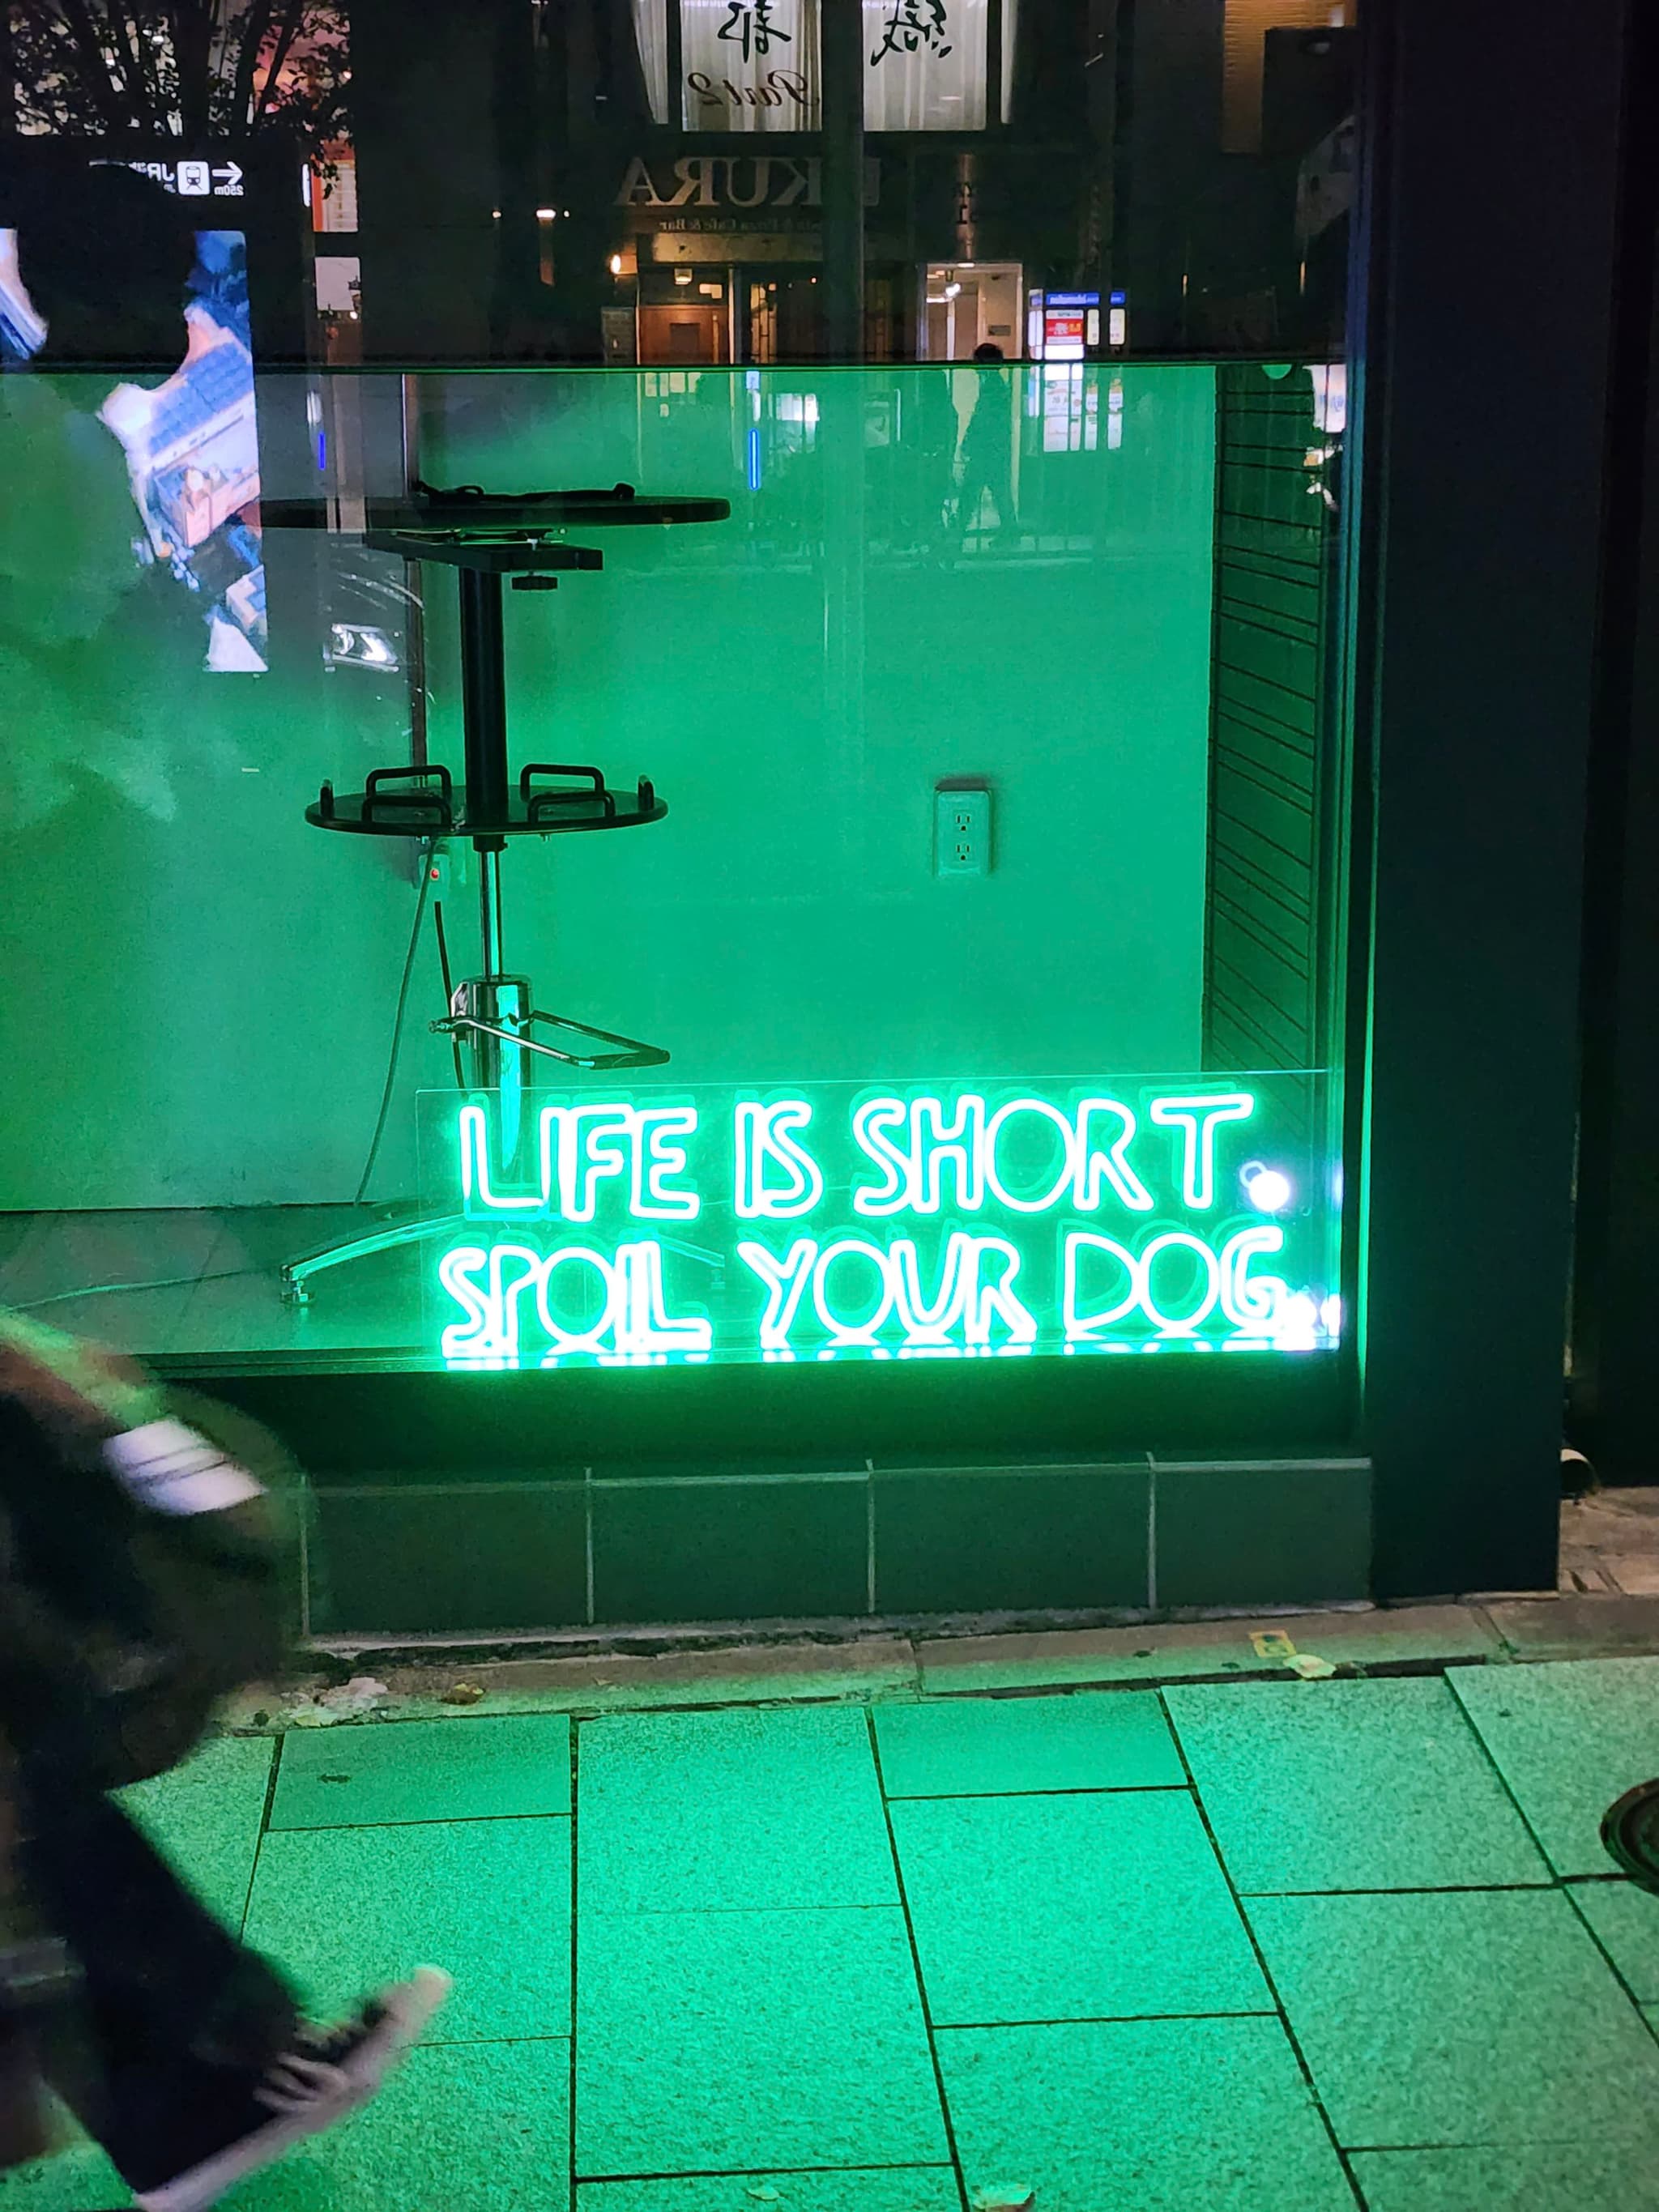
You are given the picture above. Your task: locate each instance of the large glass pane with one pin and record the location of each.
(967, 979)
(986, 939)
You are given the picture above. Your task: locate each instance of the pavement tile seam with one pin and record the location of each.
(1083, 1790)
(263, 1831)
(633, 1912)
(931, 2031)
(1608, 1950)
(1104, 2020)
(737, 2173)
(1409, 1889)
(1326, 2118)
(426, 1820)
(1504, 1784)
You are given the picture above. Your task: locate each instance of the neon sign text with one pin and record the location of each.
(867, 1222)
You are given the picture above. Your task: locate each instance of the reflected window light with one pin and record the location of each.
(356, 645)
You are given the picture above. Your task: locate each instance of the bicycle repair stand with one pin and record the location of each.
(491, 1016)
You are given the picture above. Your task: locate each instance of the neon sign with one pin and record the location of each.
(902, 1222)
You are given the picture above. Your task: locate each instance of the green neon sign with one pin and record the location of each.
(915, 1222)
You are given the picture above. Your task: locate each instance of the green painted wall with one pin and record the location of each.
(201, 987)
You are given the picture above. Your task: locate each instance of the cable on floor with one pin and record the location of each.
(397, 1025)
(110, 1290)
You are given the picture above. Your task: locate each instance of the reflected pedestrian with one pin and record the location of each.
(987, 448)
(928, 428)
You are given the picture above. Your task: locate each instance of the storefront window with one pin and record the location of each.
(973, 998)
(968, 982)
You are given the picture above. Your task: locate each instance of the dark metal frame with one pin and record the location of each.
(1488, 246)
(1615, 1298)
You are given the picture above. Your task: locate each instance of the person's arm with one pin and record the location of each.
(90, 1400)
(192, 1577)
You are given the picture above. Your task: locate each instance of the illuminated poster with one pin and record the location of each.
(656, 1227)
(750, 65)
(926, 65)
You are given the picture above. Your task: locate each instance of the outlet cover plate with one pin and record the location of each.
(962, 832)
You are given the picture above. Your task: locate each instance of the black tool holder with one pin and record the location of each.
(486, 539)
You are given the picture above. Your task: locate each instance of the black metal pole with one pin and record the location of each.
(841, 38)
(483, 697)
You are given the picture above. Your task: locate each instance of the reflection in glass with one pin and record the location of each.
(1097, 593)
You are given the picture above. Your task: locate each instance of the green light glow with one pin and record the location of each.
(764, 1137)
(1008, 1253)
(1197, 1118)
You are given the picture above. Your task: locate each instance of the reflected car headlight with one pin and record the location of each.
(353, 645)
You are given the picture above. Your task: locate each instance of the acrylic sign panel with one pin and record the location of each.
(840, 1220)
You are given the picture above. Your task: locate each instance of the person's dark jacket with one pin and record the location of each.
(122, 1627)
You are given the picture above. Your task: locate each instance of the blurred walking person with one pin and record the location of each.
(141, 1580)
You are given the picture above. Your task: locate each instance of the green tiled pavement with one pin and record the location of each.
(1071, 1908)
(1626, 1922)
(485, 2128)
(710, 2042)
(694, 1812)
(752, 2030)
(471, 2127)
(344, 1910)
(1534, 2176)
(1568, 1736)
(1350, 1785)
(76, 2179)
(205, 1816)
(1462, 2017)
(994, 1746)
(919, 2188)
(1142, 2116)
(459, 1770)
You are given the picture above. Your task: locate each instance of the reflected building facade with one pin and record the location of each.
(698, 183)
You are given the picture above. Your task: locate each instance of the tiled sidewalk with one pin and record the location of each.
(1241, 1946)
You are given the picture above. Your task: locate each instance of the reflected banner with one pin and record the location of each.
(659, 1225)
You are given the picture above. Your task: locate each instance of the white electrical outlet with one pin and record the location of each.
(962, 832)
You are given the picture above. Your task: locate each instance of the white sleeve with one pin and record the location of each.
(170, 1469)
